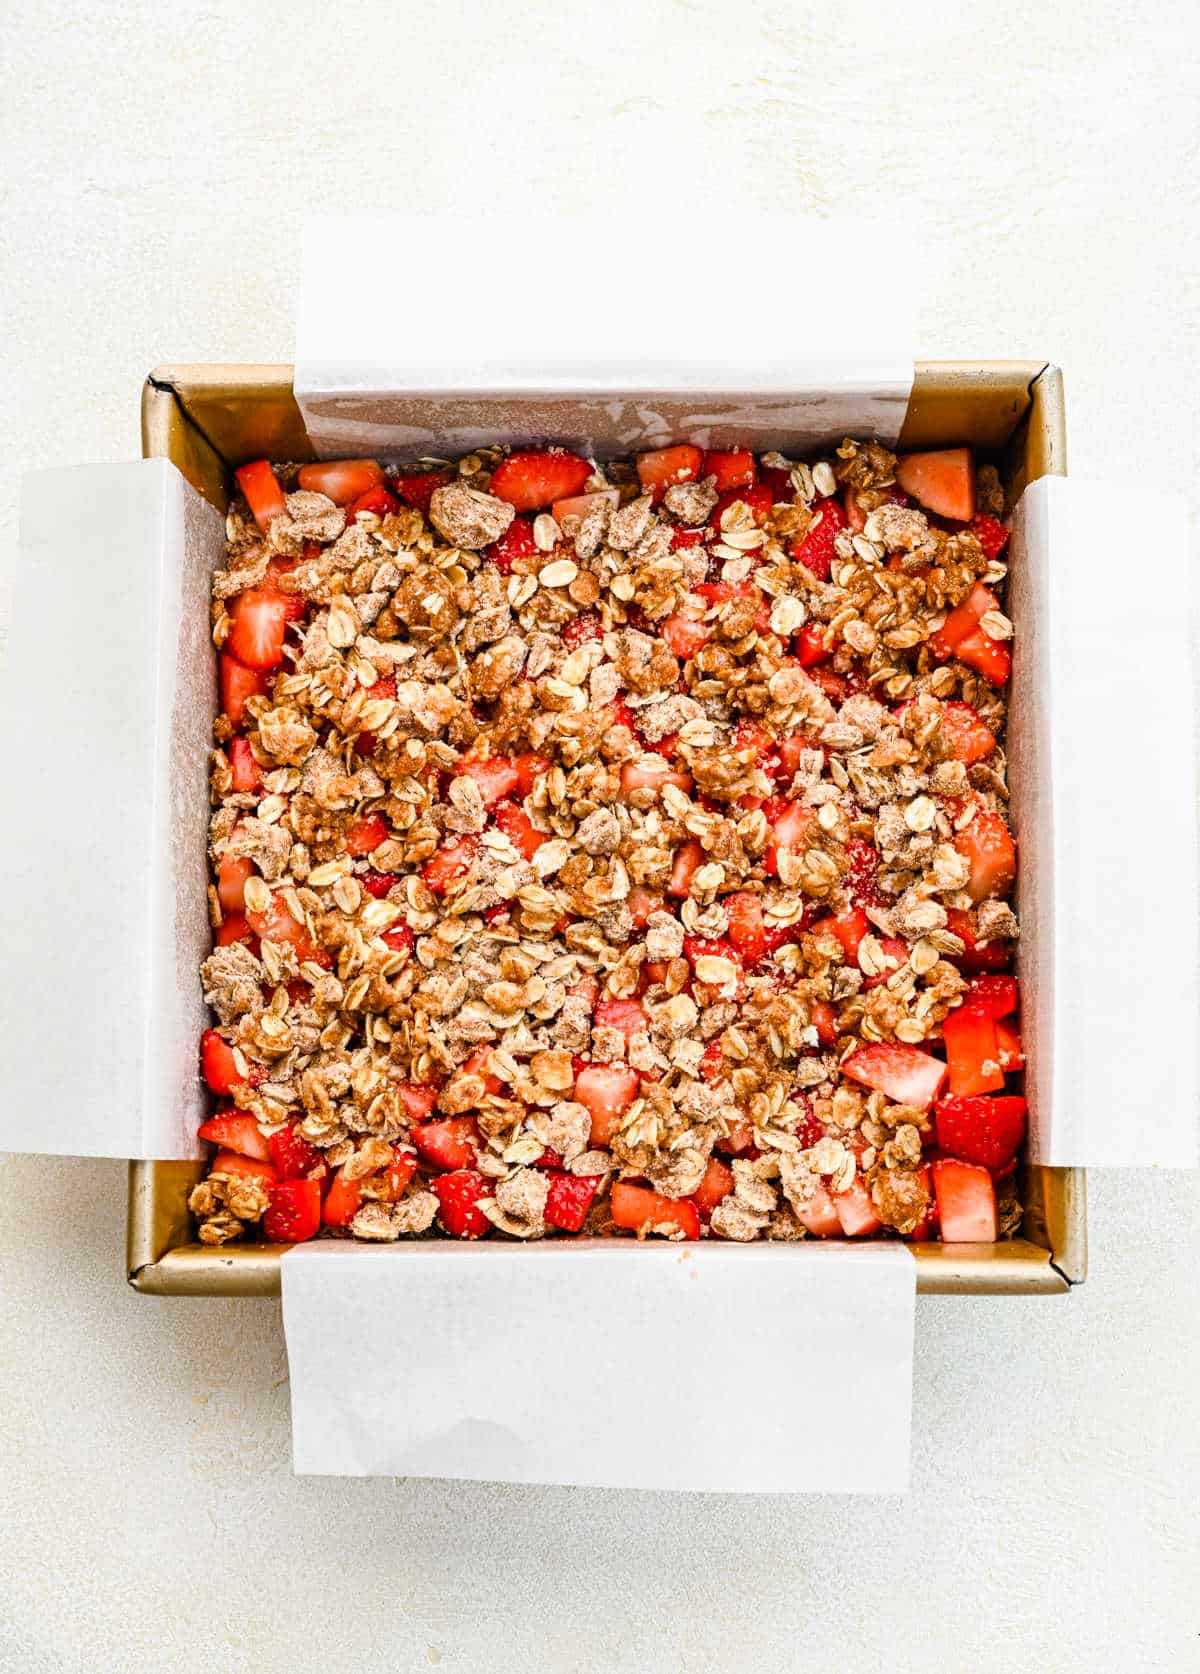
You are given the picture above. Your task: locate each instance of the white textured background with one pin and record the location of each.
(158, 160)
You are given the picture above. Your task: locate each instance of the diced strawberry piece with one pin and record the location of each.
(686, 537)
(237, 1131)
(294, 1212)
(991, 535)
(580, 629)
(495, 776)
(824, 1021)
(942, 481)
(791, 748)
(625, 1015)
(717, 593)
(516, 542)
(811, 647)
(538, 477)
(820, 1216)
(757, 500)
(651, 773)
(399, 938)
(988, 846)
(741, 1137)
(994, 996)
(366, 835)
(966, 1203)
(981, 1130)
(459, 1195)
(579, 505)
(685, 636)
(232, 1162)
(688, 860)
(343, 1200)
(232, 872)
(247, 776)
(293, 1156)
(260, 617)
(480, 1063)
(520, 830)
(862, 880)
(264, 496)
(377, 884)
(972, 1052)
(856, 517)
(1012, 1053)
(641, 903)
(276, 924)
(815, 550)
(848, 928)
(905, 1073)
(398, 1175)
(787, 832)
(961, 636)
(976, 955)
(416, 488)
(418, 1101)
(233, 928)
(607, 1090)
(219, 1067)
(778, 479)
(662, 467)
(746, 929)
(379, 500)
(341, 480)
(987, 656)
(569, 1199)
(713, 1188)
(968, 738)
(530, 768)
(732, 469)
(895, 952)
(450, 864)
(237, 684)
(621, 715)
(638, 1209)
(713, 1066)
(855, 1211)
(448, 1142)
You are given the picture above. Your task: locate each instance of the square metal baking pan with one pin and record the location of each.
(209, 419)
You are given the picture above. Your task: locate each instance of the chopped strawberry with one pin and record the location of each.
(399, 938)
(233, 928)
(746, 929)
(686, 537)
(815, 550)
(607, 1090)
(450, 864)
(343, 1200)
(580, 629)
(991, 535)
(862, 880)
(824, 1020)
(819, 1216)
(963, 621)
(293, 1156)
(981, 1130)
(377, 884)
(791, 748)
(942, 481)
(848, 928)
(688, 860)
(520, 830)
(714, 1187)
(713, 1066)
(621, 715)
(448, 1142)
(757, 499)
(569, 1199)
(717, 593)
(811, 646)
(530, 768)
(237, 1131)
(276, 924)
(625, 1015)
(341, 480)
(237, 684)
(264, 496)
(232, 1162)
(538, 477)
(787, 832)
(579, 505)
(685, 636)
(260, 617)
(495, 776)
(379, 500)
(895, 952)
(662, 467)
(232, 873)
(856, 517)
(905, 1073)
(968, 738)
(418, 1101)
(976, 955)
(972, 1052)
(1012, 1053)
(398, 1175)
(966, 1203)
(516, 542)
(294, 1212)
(994, 996)
(480, 1063)
(734, 469)
(416, 488)
(247, 776)
(638, 1209)
(987, 656)
(219, 1067)
(988, 846)
(459, 1195)
(651, 773)
(641, 903)
(741, 1137)
(855, 1211)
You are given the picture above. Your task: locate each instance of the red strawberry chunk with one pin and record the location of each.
(293, 1156)
(716, 1185)
(580, 629)
(495, 776)
(976, 955)
(607, 1090)
(341, 480)
(641, 903)
(987, 844)
(232, 1162)
(237, 684)
(399, 938)
(862, 881)
(732, 469)
(343, 1200)
(538, 477)
(741, 1137)
(219, 1066)
(905, 1073)
(418, 1101)
(967, 738)
(962, 621)
(237, 1131)
(569, 1199)
(787, 832)
(379, 500)
(579, 505)
(987, 656)
(686, 537)
(450, 864)
(276, 924)
(685, 636)
(233, 928)
(994, 996)
(815, 550)
(895, 952)
(516, 542)
(1012, 1054)
(520, 830)
(259, 618)
(377, 884)
(855, 1211)
(459, 1195)
(662, 467)
(824, 1020)
(820, 1217)
(247, 776)
(416, 488)
(638, 1209)
(264, 496)
(398, 1175)
(966, 1203)
(848, 929)
(811, 646)
(650, 773)
(942, 481)
(449, 1142)
(746, 929)
(688, 860)
(294, 1212)
(530, 768)
(972, 1052)
(991, 535)
(625, 1015)
(757, 499)
(987, 1131)
(480, 1063)
(232, 873)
